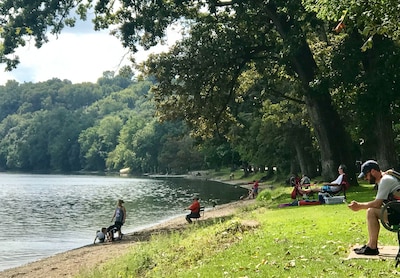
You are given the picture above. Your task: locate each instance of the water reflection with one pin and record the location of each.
(46, 214)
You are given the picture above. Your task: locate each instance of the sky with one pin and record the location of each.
(79, 54)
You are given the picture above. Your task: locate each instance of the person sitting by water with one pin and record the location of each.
(100, 235)
(194, 210)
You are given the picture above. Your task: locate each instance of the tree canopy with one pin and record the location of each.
(273, 79)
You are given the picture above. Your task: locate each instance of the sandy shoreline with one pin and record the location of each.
(70, 263)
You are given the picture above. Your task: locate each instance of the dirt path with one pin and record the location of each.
(70, 263)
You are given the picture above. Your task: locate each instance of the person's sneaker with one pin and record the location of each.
(360, 248)
(367, 251)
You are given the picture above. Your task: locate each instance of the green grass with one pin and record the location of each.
(310, 241)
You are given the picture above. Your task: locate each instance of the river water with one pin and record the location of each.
(47, 214)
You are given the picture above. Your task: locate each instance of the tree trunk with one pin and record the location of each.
(303, 146)
(385, 149)
(384, 146)
(334, 141)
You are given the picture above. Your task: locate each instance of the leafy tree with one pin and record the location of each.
(366, 90)
(13, 136)
(371, 18)
(178, 156)
(91, 156)
(227, 34)
(10, 99)
(219, 153)
(266, 45)
(119, 81)
(97, 141)
(226, 44)
(77, 96)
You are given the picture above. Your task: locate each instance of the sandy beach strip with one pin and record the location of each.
(70, 263)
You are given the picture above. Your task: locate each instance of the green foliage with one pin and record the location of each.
(31, 19)
(264, 195)
(310, 241)
(261, 83)
(58, 126)
(370, 18)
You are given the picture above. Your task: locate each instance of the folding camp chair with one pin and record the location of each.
(343, 188)
(390, 219)
(201, 213)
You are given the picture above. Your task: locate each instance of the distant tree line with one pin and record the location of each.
(59, 126)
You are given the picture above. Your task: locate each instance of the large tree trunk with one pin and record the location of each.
(380, 113)
(385, 149)
(333, 140)
(303, 146)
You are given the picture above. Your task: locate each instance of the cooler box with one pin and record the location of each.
(334, 200)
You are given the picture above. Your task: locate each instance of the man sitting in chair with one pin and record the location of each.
(387, 185)
(194, 210)
(336, 185)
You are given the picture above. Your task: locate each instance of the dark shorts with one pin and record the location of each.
(193, 215)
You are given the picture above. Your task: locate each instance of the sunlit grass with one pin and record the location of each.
(261, 241)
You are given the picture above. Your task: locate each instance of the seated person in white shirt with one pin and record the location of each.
(335, 185)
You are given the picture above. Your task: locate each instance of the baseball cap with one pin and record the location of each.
(368, 166)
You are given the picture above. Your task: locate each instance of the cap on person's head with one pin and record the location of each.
(121, 201)
(367, 166)
(195, 198)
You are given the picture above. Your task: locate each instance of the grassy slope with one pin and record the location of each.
(308, 241)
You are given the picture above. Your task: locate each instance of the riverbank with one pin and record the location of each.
(70, 263)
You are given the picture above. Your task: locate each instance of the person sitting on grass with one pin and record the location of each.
(100, 235)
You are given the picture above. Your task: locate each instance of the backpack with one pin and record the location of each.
(395, 174)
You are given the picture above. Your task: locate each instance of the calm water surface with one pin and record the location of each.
(47, 214)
